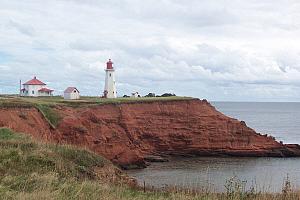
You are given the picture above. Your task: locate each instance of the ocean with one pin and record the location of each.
(281, 120)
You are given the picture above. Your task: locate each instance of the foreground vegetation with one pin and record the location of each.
(34, 170)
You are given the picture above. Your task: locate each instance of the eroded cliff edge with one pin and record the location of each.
(127, 133)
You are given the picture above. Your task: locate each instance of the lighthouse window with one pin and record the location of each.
(110, 74)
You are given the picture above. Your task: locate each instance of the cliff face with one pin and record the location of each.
(130, 132)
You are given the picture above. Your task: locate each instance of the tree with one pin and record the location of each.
(167, 95)
(150, 95)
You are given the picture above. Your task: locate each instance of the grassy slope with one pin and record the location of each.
(33, 170)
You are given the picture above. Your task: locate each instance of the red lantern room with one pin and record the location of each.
(109, 64)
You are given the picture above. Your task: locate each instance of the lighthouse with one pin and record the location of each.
(110, 82)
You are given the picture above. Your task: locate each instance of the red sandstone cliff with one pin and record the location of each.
(130, 132)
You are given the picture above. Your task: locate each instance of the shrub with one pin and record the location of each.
(167, 95)
(150, 95)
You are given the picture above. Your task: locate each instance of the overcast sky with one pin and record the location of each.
(233, 50)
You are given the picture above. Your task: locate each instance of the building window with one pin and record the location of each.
(32, 92)
(110, 74)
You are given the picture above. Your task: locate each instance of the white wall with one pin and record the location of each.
(73, 95)
(33, 91)
(44, 94)
(110, 83)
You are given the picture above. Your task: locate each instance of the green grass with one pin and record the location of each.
(14, 102)
(28, 168)
(34, 170)
(49, 114)
(7, 134)
(20, 155)
(11, 101)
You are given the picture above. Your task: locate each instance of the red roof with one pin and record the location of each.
(45, 90)
(109, 64)
(70, 90)
(34, 81)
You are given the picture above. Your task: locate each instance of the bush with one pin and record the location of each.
(167, 95)
(150, 95)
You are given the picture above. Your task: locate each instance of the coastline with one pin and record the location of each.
(131, 133)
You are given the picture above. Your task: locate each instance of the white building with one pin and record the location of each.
(35, 88)
(135, 95)
(110, 82)
(71, 93)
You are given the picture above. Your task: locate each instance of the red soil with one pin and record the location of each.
(130, 132)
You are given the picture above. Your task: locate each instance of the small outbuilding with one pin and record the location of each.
(71, 93)
(135, 95)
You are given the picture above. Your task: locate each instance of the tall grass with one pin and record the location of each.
(34, 170)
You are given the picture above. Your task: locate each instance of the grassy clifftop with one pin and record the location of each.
(15, 101)
(45, 104)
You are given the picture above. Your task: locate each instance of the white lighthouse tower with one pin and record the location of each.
(110, 82)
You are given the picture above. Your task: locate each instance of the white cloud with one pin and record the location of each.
(219, 50)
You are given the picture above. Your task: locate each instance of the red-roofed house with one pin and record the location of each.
(35, 88)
